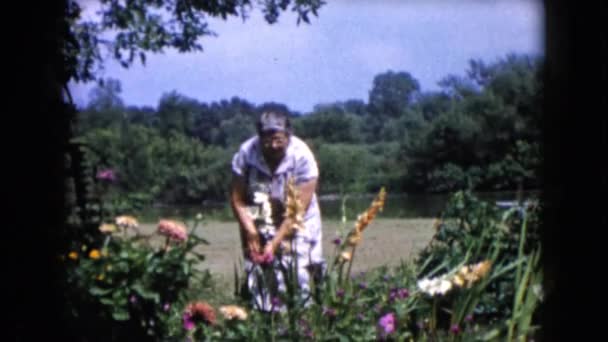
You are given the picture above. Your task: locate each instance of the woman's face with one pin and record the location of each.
(274, 145)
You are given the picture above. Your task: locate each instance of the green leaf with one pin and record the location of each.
(145, 293)
(97, 291)
(120, 314)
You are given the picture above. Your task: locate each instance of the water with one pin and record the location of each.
(396, 206)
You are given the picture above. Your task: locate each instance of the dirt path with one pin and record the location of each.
(385, 241)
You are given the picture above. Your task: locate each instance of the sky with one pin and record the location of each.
(336, 56)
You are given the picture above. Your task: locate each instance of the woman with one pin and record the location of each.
(261, 170)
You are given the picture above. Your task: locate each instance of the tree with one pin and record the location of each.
(177, 113)
(105, 106)
(143, 26)
(392, 92)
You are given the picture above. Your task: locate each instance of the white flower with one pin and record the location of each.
(434, 286)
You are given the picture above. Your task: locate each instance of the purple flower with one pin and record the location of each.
(455, 329)
(386, 277)
(106, 175)
(398, 294)
(133, 299)
(340, 293)
(363, 285)
(337, 241)
(275, 301)
(166, 307)
(330, 312)
(386, 324)
(468, 318)
(188, 322)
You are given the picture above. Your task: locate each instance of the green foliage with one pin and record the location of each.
(471, 230)
(131, 286)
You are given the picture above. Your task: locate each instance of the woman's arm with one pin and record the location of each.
(249, 235)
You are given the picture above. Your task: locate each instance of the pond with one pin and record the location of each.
(396, 206)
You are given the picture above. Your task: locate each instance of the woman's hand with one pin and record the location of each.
(252, 242)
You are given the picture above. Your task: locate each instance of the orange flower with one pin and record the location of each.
(126, 221)
(73, 255)
(231, 312)
(107, 228)
(198, 312)
(94, 254)
(354, 237)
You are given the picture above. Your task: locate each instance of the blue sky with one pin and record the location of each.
(336, 57)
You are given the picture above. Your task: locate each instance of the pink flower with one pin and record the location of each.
(387, 324)
(106, 175)
(173, 230)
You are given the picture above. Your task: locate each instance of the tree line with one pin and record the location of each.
(479, 131)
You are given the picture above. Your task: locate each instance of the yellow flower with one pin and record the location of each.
(108, 268)
(101, 277)
(345, 256)
(127, 221)
(231, 312)
(482, 269)
(94, 254)
(107, 228)
(354, 238)
(294, 209)
(458, 280)
(83, 248)
(73, 255)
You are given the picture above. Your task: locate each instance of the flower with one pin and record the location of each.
(363, 220)
(125, 221)
(199, 311)
(173, 230)
(73, 255)
(434, 286)
(468, 318)
(133, 299)
(340, 293)
(398, 294)
(363, 285)
(467, 275)
(275, 301)
(101, 277)
(337, 241)
(386, 324)
(455, 329)
(94, 254)
(329, 312)
(166, 307)
(231, 312)
(106, 175)
(107, 228)
(345, 256)
(294, 209)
